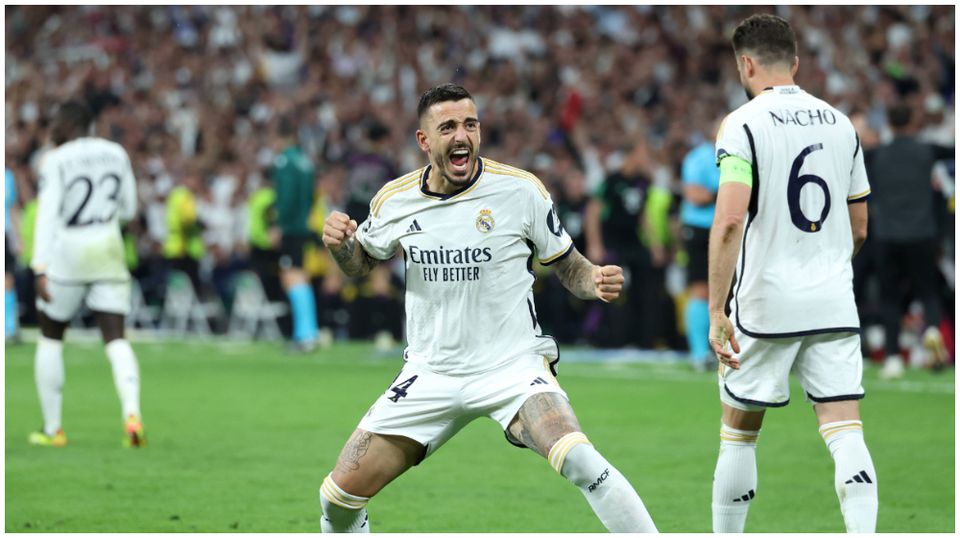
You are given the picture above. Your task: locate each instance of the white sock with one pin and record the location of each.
(126, 376)
(609, 494)
(735, 479)
(855, 479)
(342, 512)
(49, 375)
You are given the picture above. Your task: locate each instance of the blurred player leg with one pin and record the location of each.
(698, 325)
(10, 305)
(49, 375)
(303, 305)
(126, 374)
(546, 423)
(855, 478)
(735, 478)
(367, 463)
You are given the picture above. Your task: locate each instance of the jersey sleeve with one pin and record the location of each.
(546, 231)
(732, 140)
(376, 236)
(128, 196)
(859, 184)
(48, 206)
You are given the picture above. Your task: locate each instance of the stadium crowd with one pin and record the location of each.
(602, 103)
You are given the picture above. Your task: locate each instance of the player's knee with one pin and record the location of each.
(560, 451)
(342, 510)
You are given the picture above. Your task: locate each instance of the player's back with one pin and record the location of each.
(794, 273)
(87, 188)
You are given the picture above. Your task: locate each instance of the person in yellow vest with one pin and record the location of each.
(264, 240)
(317, 262)
(183, 247)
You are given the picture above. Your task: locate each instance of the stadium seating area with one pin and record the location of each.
(570, 93)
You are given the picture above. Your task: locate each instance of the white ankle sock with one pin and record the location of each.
(126, 375)
(735, 479)
(607, 491)
(49, 376)
(342, 512)
(855, 478)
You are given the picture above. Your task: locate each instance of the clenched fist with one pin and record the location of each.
(337, 229)
(607, 282)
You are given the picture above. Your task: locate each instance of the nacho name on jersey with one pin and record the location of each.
(444, 264)
(802, 117)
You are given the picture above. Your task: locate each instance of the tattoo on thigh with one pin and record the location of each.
(546, 417)
(356, 448)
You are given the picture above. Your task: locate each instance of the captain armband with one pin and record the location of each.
(733, 169)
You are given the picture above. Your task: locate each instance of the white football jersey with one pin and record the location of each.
(468, 258)
(86, 189)
(794, 275)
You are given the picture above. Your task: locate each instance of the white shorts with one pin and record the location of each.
(430, 408)
(109, 296)
(829, 367)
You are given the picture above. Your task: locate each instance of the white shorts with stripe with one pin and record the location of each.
(430, 408)
(829, 367)
(109, 296)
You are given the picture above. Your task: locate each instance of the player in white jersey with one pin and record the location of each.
(87, 189)
(468, 229)
(791, 214)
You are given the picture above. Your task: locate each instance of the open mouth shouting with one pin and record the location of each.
(459, 159)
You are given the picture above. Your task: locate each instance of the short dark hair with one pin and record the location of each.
(72, 120)
(439, 94)
(769, 37)
(899, 115)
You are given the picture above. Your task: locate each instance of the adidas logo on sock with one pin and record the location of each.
(749, 495)
(860, 478)
(415, 227)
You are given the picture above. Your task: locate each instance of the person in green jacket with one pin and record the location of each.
(293, 175)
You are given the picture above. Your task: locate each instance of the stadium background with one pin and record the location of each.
(574, 94)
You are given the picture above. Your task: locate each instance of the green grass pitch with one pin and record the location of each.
(241, 436)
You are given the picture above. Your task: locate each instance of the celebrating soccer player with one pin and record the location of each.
(790, 164)
(469, 229)
(86, 188)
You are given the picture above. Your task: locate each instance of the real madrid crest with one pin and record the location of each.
(485, 222)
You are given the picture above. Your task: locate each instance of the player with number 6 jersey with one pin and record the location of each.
(794, 274)
(87, 189)
(791, 213)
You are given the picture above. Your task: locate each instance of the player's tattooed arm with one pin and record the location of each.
(338, 236)
(588, 281)
(352, 259)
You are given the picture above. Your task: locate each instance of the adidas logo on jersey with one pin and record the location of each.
(414, 227)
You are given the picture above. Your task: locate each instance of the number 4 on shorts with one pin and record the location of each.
(400, 390)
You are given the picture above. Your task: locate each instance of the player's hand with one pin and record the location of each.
(607, 282)
(41, 285)
(337, 229)
(721, 333)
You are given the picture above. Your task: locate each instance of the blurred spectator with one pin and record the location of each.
(903, 215)
(183, 247)
(10, 244)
